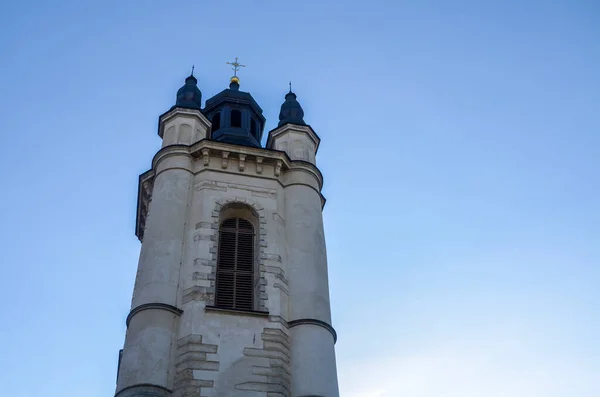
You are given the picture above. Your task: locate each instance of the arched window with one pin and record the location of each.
(235, 265)
(236, 118)
(253, 129)
(216, 122)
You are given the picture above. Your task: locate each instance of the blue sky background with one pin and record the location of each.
(460, 153)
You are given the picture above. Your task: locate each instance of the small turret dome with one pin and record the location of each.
(291, 111)
(189, 96)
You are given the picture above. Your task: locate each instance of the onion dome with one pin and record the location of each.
(291, 111)
(189, 96)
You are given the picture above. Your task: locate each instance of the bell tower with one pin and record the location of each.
(231, 296)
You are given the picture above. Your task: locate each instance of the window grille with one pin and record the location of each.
(235, 265)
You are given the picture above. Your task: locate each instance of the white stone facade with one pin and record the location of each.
(177, 342)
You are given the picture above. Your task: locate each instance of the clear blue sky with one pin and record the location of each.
(460, 152)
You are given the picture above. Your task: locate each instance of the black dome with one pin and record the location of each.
(291, 111)
(189, 96)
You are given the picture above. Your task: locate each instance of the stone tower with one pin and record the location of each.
(231, 296)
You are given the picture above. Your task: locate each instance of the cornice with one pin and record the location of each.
(152, 306)
(313, 321)
(144, 389)
(202, 151)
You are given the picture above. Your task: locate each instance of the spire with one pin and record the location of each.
(291, 111)
(189, 96)
(234, 83)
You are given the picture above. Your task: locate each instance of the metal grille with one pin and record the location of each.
(235, 265)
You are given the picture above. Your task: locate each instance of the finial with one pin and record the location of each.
(290, 86)
(192, 70)
(236, 66)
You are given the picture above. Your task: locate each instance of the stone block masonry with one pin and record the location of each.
(192, 356)
(262, 371)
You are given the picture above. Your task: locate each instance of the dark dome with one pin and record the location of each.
(235, 116)
(189, 96)
(291, 111)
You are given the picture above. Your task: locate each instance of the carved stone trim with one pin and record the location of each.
(224, 162)
(203, 149)
(152, 306)
(255, 313)
(205, 157)
(262, 298)
(144, 389)
(313, 321)
(242, 162)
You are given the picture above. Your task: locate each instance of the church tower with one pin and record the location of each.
(231, 295)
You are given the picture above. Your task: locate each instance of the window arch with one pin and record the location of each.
(236, 118)
(235, 265)
(216, 122)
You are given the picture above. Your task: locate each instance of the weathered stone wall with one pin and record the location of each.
(238, 355)
(284, 347)
(228, 353)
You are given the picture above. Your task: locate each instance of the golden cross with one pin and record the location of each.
(236, 66)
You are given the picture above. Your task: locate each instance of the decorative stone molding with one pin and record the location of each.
(199, 292)
(242, 162)
(224, 162)
(313, 321)
(253, 313)
(259, 161)
(203, 150)
(207, 294)
(255, 191)
(262, 298)
(281, 282)
(144, 389)
(205, 157)
(152, 306)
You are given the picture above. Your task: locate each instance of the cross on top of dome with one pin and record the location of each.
(236, 66)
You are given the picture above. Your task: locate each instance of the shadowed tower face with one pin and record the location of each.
(231, 296)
